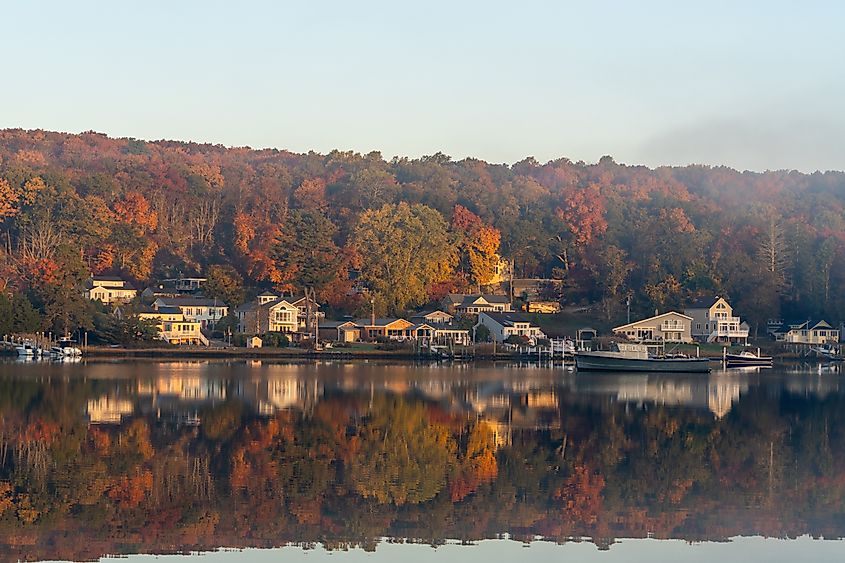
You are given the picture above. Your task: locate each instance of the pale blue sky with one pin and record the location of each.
(754, 84)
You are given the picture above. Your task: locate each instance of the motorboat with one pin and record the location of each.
(635, 357)
(746, 358)
(828, 353)
(66, 348)
(28, 349)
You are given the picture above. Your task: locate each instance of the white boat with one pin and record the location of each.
(66, 348)
(27, 349)
(747, 358)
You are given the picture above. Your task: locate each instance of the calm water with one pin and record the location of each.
(374, 461)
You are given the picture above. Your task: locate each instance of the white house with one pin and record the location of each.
(207, 312)
(713, 321)
(109, 289)
(473, 304)
(504, 325)
(436, 316)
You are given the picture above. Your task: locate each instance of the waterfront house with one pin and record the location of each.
(339, 331)
(172, 325)
(472, 304)
(109, 289)
(393, 329)
(436, 316)
(448, 334)
(268, 314)
(713, 321)
(301, 303)
(205, 311)
(504, 325)
(390, 328)
(668, 327)
(806, 332)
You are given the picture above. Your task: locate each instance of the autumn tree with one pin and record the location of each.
(478, 245)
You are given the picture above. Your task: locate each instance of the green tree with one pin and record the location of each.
(404, 249)
(6, 315)
(305, 249)
(25, 318)
(224, 283)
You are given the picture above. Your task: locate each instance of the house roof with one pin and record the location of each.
(469, 298)
(268, 294)
(802, 325)
(190, 302)
(298, 300)
(379, 322)
(89, 283)
(169, 310)
(666, 314)
(509, 319)
(333, 323)
(426, 313)
(703, 302)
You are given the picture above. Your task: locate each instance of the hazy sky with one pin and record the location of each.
(751, 84)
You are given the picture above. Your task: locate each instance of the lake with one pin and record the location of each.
(377, 461)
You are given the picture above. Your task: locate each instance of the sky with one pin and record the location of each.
(749, 84)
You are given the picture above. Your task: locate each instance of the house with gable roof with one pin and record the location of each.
(473, 304)
(713, 320)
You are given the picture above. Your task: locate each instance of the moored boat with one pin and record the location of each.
(747, 358)
(66, 348)
(27, 349)
(635, 357)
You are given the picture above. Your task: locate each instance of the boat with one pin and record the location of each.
(747, 358)
(66, 348)
(828, 353)
(635, 357)
(27, 349)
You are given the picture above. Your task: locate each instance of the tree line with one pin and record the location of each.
(411, 230)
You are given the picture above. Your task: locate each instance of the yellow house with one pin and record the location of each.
(173, 327)
(807, 332)
(713, 321)
(668, 327)
(109, 289)
(393, 329)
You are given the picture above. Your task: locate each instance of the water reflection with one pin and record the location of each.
(165, 457)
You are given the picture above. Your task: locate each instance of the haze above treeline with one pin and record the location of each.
(411, 230)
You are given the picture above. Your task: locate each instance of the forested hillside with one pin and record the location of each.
(413, 229)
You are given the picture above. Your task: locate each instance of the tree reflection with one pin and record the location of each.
(346, 466)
